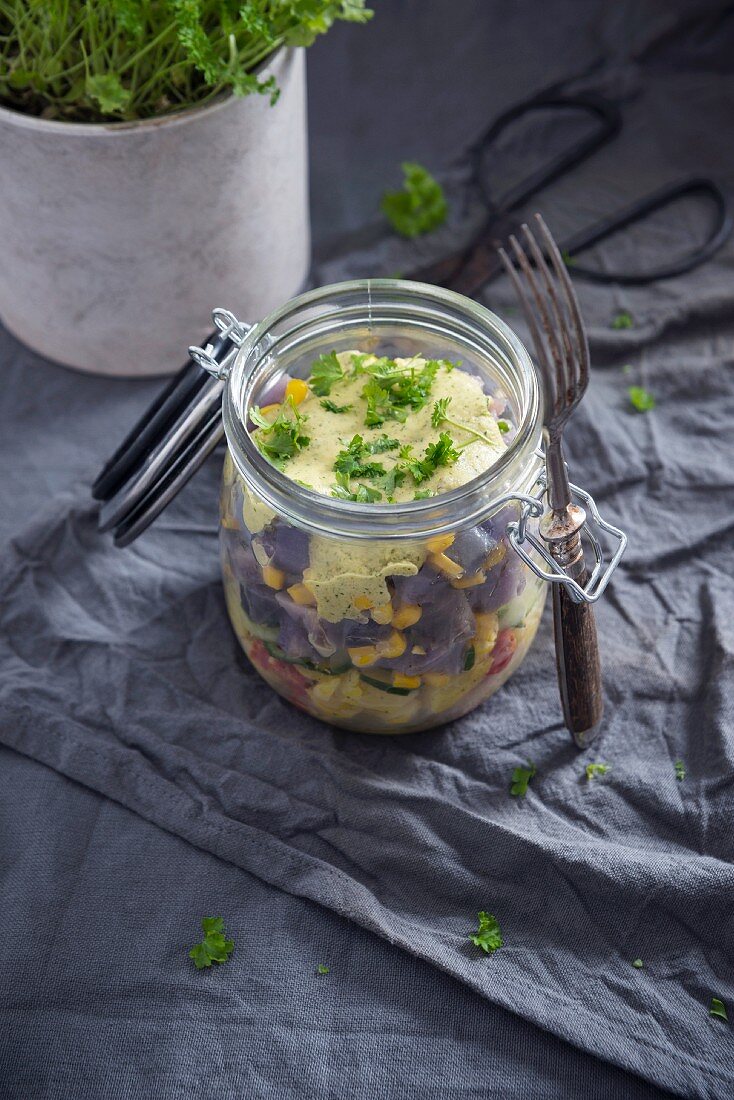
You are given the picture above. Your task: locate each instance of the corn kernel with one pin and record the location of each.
(436, 679)
(324, 690)
(382, 614)
(495, 556)
(297, 390)
(301, 594)
(469, 582)
(362, 603)
(446, 565)
(400, 680)
(270, 410)
(439, 543)
(407, 615)
(363, 655)
(418, 650)
(274, 578)
(394, 646)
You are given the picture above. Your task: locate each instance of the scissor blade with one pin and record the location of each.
(466, 272)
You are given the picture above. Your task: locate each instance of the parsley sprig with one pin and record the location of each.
(592, 770)
(641, 399)
(332, 407)
(487, 935)
(521, 777)
(440, 416)
(393, 389)
(421, 205)
(325, 372)
(214, 948)
(281, 438)
(440, 453)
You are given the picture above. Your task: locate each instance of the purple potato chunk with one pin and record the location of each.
(286, 548)
(470, 548)
(445, 627)
(504, 581)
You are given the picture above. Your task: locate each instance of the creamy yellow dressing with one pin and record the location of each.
(330, 432)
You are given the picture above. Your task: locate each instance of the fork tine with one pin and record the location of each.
(552, 365)
(567, 366)
(571, 299)
(535, 335)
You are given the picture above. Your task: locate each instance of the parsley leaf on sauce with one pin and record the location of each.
(324, 373)
(332, 407)
(282, 437)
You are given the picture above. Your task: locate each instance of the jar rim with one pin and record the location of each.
(467, 503)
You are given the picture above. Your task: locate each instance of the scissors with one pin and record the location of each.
(476, 264)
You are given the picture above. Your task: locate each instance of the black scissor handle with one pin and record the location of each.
(719, 231)
(608, 121)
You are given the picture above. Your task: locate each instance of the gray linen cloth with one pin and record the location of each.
(120, 671)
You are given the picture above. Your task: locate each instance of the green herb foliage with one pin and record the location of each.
(332, 407)
(440, 415)
(487, 935)
(86, 61)
(321, 969)
(680, 770)
(325, 372)
(521, 777)
(718, 1008)
(214, 948)
(351, 461)
(622, 320)
(419, 207)
(640, 399)
(638, 964)
(283, 437)
(504, 426)
(592, 770)
(393, 388)
(440, 453)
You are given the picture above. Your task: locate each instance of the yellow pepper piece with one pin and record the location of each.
(297, 390)
(274, 409)
(382, 614)
(394, 646)
(439, 543)
(274, 578)
(301, 594)
(363, 655)
(407, 615)
(418, 650)
(446, 565)
(495, 556)
(362, 603)
(469, 582)
(400, 680)
(488, 625)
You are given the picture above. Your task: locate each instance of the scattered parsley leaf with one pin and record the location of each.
(718, 1008)
(332, 407)
(422, 494)
(324, 373)
(214, 948)
(487, 935)
(440, 415)
(568, 258)
(321, 969)
(520, 780)
(282, 437)
(419, 207)
(593, 770)
(680, 770)
(627, 368)
(641, 399)
(622, 320)
(638, 964)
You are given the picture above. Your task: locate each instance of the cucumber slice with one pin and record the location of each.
(469, 658)
(385, 685)
(276, 652)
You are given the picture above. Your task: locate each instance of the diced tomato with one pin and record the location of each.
(292, 683)
(504, 649)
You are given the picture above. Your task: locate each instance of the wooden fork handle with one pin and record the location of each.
(577, 659)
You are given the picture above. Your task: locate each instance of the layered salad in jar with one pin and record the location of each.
(380, 635)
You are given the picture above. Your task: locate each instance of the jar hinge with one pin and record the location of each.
(533, 507)
(232, 329)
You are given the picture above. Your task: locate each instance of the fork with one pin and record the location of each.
(562, 352)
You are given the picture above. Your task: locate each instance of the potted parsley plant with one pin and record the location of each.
(153, 163)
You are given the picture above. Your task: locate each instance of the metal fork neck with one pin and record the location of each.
(559, 491)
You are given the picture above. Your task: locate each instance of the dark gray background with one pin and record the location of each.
(99, 904)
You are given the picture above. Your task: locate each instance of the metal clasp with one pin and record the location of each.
(219, 362)
(518, 534)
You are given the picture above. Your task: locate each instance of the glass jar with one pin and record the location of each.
(381, 618)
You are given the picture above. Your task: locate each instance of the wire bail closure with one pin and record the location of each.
(533, 507)
(230, 328)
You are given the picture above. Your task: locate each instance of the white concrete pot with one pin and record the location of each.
(119, 239)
